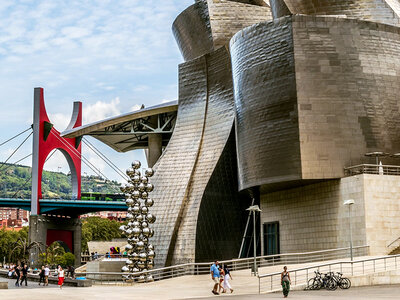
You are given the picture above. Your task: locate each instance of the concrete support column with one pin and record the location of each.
(154, 148)
(46, 230)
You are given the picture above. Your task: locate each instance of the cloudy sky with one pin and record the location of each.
(111, 55)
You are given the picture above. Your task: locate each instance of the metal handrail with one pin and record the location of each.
(372, 169)
(330, 266)
(236, 264)
(393, 242)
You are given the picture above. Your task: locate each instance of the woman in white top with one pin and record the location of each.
(60, 276)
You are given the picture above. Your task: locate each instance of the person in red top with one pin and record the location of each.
(60, 276)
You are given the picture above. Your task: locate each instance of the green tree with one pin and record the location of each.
(99, 229)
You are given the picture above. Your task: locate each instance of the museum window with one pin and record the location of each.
(271, 238)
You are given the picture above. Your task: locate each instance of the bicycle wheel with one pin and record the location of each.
(345, 283)
(310, 284)
(331, 284)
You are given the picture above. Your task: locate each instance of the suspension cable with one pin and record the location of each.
(10, 139)
(3, 163)
(79, 155)
(10, 165)
(105, 159)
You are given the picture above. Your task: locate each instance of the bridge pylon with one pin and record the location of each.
(48, 229)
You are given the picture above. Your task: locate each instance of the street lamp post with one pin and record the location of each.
(254, 209)
(349, 203)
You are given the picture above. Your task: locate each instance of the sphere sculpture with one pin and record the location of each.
(140, 252)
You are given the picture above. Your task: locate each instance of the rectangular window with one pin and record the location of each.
(271, 238)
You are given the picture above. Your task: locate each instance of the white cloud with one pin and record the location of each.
(135, 107)
(101, 110)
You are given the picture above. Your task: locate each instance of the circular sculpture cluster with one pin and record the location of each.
(140, 251)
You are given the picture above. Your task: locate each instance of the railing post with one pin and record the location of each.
(271, 282)
(384, 263)
(395, 262)
(259, 285)
(295, 277)
(352, 270)
(374, 265)
(363, 268)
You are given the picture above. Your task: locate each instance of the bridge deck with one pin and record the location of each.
(66, 206)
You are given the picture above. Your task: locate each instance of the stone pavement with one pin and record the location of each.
(186, 287)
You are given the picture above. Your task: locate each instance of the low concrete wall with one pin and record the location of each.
(388, 277)
(105, 265)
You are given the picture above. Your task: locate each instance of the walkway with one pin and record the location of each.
(186, 287)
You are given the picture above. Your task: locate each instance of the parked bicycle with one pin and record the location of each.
(329, 281)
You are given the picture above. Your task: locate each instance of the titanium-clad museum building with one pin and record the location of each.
(280, 101)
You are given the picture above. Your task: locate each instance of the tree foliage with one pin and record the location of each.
(55, 185)
(55, 255)
(13, 244)
(99, 229)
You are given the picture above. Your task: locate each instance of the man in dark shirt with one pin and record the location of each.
(24, 275)
(18, 274)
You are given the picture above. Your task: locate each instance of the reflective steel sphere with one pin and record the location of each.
(129, 216)
(136, 179)
(135, 256)
(146, 231)
(149, 172)
(150, 254)
(149, 187)
(136, 164)
(122, 227)
(144, 195)
(144, 210)
(125, 269)
(135, 224)
(151, 233)
(143, 256)
(136, 231)
(135, 194)
(139, 218)
(141, 265)
(129, 201)
(144, 180)
(150, 247)
(129, 262)
(150, 218)
(128, 232)
(149, 278)
(144, 224)
(149, 202)
(128, 247)
(140, 245)
(130, 172)
(136, 209)
(141, 187)
(150, 262)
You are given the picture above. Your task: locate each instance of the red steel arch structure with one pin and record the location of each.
(45, 139)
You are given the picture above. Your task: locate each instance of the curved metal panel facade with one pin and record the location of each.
(384, 11)
(205, 119)
(263, 71)
(313, 95)
(192, 31)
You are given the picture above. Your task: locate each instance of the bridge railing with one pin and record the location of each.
(234, 265)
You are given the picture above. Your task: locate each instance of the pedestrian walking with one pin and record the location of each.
(221, 279)
(18, 274)
(215, 277)
(228, 277)
(24, 275)
(41, 276)
(46, 275)
(285, 281)
(60, 276)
